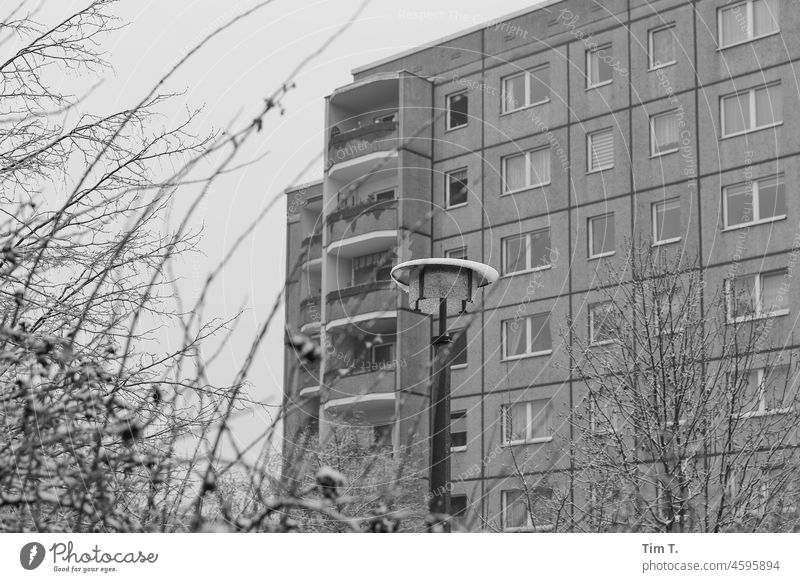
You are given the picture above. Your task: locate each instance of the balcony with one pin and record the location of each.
(376, 300)
(311, 252)
(310, 313)
(362, 141)
(363, 228)
(367, 396)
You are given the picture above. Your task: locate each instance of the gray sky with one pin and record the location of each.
(229, 78)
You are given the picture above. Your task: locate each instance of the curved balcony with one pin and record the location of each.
(371, 301)
(367, 396)
(362, 141)
(311, 251)
(310, 313)
(363, 228)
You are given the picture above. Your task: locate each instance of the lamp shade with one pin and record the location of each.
(427, 281)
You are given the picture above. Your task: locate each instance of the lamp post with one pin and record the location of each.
(443, 287)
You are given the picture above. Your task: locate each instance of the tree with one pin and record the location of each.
(689, 410)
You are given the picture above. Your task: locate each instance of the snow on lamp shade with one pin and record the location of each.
(427, 281)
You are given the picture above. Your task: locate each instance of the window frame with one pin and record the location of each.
(752, 110)
(751, 36)
(448, 110)
(455, 333)
(590, 230)
(447, 175)
(392, 364)
(528, 440)
(527, 80)
(758, 292)
(460, 448)
(589, 53)
(527, 155)
(653, 143)
(654, 219)
(591, 316)
(528, 257)
(529, 526)
(504, 357)
(590, 147)
(756, 194)
(450, 253)
(762, 405)
(650, 33)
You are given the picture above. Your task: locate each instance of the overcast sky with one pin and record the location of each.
(229, 78)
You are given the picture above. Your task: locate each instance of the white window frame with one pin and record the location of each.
(528, 525)
(449, 127)
(528, 339)
(460, 449)
(527, 74)
(762, 405)
(653, 144)
(650, 34)
(592, 341)
(528, 440)
(447, 188)
(592, 254)
(589, 149)
(451, 253)
(654, 219)
(528, 185)
(750, 24)
(454, 333)
(756, 189)
(589, 53)
(751, 93)
(759, 308)
(387, 365)
(528, 258)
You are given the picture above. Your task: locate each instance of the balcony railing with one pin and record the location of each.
(362, 219)
(311, 247)
(311, 310)
(366, 298)
(362, 141)
(360, 384)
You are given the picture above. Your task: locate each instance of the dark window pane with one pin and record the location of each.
(457, 188)
(457, 110)
(459, 349)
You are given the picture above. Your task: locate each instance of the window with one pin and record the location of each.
(747, 21)
(458, 353)
(371, 268)
(456, 188)
(457, 110)
(526, 252)
(769, 391)
(458, 513)
(601, 236)
(528, 336)
(664, 133)
(390, 118)
(383, 354)
(662, 46)
(598, 66)
(527, 170)
(760, 295)
(603, 416)
(753, 202)
(526, 89)
(459, 253)
(382, 435)
(458, 430)
(527, 422)
(752, 109)
(601, 323)
(383, 195)
(600, 148)
(519, 512)
(667, 221)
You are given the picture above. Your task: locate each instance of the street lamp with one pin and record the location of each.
(442, 286)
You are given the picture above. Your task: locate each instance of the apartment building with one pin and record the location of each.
(538, 144)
